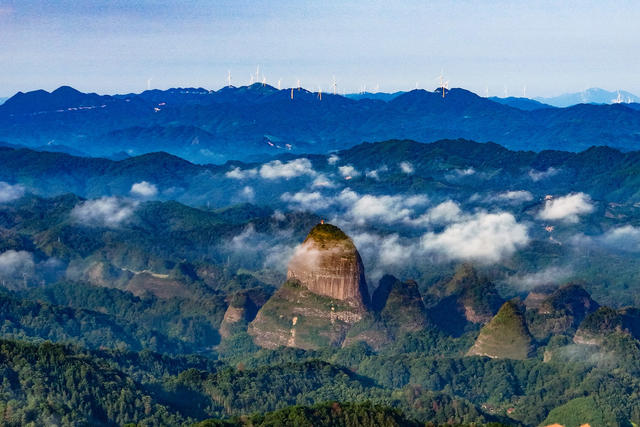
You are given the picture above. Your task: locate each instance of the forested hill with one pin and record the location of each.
(443, 168)
(242, 122)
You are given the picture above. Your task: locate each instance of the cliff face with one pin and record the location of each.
(325, 294)
(328, 263)
(240, 312)
(296, 317)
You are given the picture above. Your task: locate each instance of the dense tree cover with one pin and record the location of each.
(325, 414)
(193, 322)
(49, 384)
(33, 320)
(434, 388)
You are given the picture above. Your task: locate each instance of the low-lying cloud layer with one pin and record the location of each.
(548, 276)
(275, 169)
(10, 192)
(104, 212)
(407, 168)
(536, 175)
(15, 263)
(144, 189)
(568, 208)
(484, 237)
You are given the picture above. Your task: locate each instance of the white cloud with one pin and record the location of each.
(106, 211)
(444, 213)
(457, 174)
(548, 276)
(484, 237)
(567, 208)
(540, 175)
(387, 251)
(237, 173)
(278, 216)
(375, 173)
(385, 209)
(247, 193)
(14, 263)
(626, 238)
(10, 192)
(262, 250)
(407, 168)
(385, 254)
(304, 200)
(292, 169)
(348, 171)
(333, 159)
(144, 189)
(372, 174)
(322, 181)
(519, 196)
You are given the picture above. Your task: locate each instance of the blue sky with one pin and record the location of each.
(118, 46)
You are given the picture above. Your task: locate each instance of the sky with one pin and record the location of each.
(495, 47)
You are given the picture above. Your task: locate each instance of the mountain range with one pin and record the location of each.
(590, 96)
(251, 122)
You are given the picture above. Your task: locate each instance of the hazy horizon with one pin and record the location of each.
(119, 47)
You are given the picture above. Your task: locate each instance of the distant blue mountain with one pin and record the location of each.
(260, 121)
(381, 96)
(526, 104)
(590, 96)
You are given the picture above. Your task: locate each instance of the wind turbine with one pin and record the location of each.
(319, 93)
(335, 86)
(298, 84)
(443, 84)
(228, 78)
(264, 81)
(279, 83)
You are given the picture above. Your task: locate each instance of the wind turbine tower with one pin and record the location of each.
(335, 86)
(228, 78)
(443, 84)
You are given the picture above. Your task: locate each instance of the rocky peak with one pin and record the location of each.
(328, 263)
(605, 321)
(506, 336)
(466, 299)
(571, 298)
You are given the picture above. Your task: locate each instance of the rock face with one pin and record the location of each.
(240, 312)
(328, 263)
(324, 296)
(296, 317)
(506, 336)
